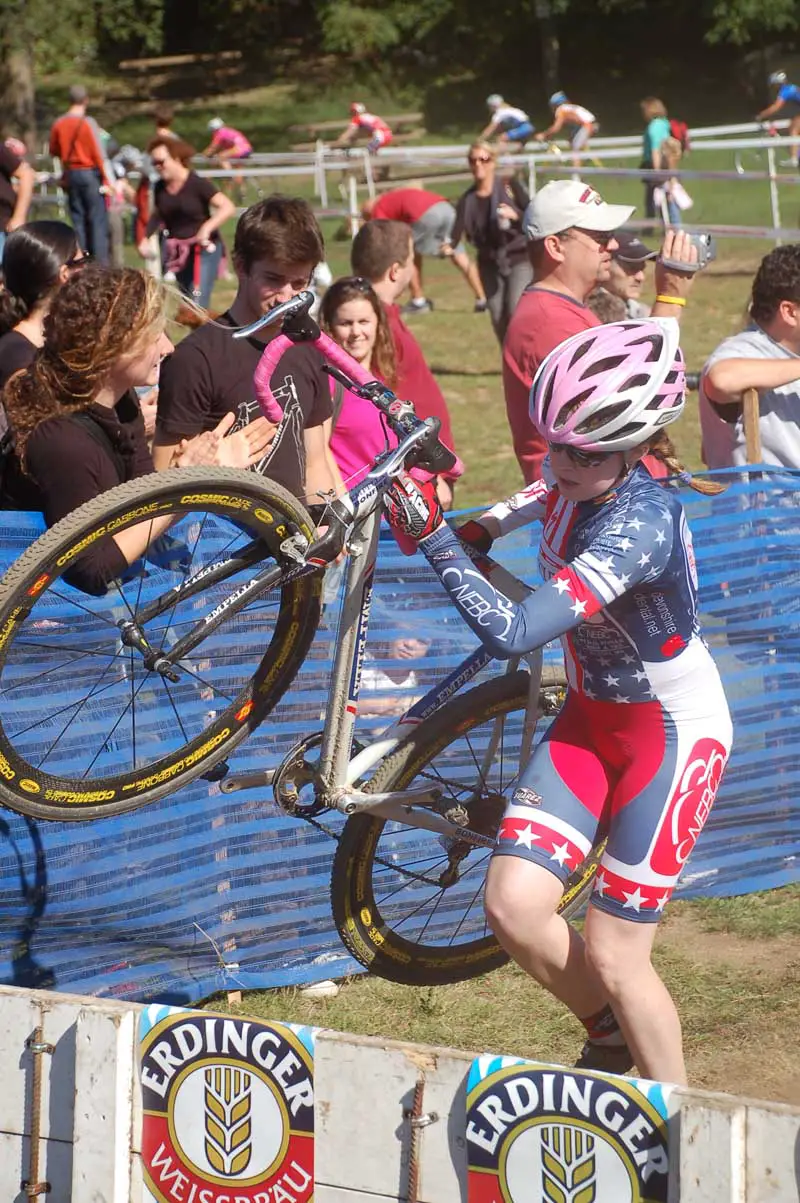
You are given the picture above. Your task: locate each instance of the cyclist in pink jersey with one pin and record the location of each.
(362, 122)
(226, 146)
(638, 749)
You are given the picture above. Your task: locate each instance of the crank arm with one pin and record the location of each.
(255, 780)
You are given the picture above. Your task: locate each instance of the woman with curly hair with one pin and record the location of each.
(75, 413)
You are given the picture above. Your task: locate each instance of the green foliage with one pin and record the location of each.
(740, 21)
(365, 29)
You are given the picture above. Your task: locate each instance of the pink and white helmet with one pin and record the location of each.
(612, 387)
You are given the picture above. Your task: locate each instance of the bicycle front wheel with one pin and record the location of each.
(398, 908)
(89, 726)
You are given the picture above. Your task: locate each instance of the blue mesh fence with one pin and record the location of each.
(204, 891)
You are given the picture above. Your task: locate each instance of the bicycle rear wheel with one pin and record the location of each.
(86, 729)
(392, 909)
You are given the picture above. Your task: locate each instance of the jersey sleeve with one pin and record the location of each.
(185, 394)
(633, 548)
(523, 508)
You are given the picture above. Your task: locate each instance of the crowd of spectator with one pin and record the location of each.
(89, 403)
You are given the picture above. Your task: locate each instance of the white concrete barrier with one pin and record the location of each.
(390, 1119)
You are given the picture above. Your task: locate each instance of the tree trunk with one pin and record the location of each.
(551, 50)
(17, 93)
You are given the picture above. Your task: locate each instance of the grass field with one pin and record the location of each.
(733, 964)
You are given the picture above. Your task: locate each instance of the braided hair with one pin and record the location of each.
(663, 448)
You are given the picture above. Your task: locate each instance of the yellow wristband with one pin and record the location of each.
(671, 300)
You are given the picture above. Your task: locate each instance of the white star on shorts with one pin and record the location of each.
(562, 585)
(634, 900)
(561, 853)
(526, 836)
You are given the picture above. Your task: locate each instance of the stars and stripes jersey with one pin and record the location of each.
(620, 591)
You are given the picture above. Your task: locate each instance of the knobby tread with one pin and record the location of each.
(40, 557)
(370, 940)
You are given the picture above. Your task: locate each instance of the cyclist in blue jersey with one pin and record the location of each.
(638, 749)
(787, 103)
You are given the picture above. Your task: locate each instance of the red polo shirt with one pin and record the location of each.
(541, 321)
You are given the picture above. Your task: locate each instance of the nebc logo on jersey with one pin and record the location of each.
(228, 1111)
(539, 1132)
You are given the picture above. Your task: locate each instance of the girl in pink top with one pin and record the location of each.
(352, 315)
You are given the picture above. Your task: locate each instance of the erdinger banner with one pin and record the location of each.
(228, 1109)
(543, 1133)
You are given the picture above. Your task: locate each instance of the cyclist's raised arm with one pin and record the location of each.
(619, 559)
(505, 516)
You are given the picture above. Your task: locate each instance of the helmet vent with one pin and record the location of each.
(656, 342)
(603, 419)
(568, 409)
(603, 365)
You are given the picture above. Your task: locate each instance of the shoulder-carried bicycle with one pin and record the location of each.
(109, 703)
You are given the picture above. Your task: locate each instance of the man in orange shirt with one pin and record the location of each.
(75, 141)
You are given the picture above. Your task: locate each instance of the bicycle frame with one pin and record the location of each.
(339, 770)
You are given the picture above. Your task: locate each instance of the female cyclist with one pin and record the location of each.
(639, 746)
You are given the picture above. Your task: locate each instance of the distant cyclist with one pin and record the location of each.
(639, 746)
(787, 103)
(362, 122)
(228, 145)
(511, 125)
(573, 117)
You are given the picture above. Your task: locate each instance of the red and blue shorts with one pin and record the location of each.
(639, 773)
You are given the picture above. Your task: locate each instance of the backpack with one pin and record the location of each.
(679, 130)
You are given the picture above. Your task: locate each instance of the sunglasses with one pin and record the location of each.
(359, 282)
(80, 260)
(601, 239)
(583, 459)
(473, 159)
(158, 162)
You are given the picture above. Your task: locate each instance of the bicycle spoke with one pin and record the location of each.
(178, 718)
(467, 911)
(130, 706)
(47, 672)
(185, 573)
(73, 601)
(94, 692)
(229, 697)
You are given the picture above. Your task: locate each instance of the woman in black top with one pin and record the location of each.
(37, 260)
(75, 413)
(489, 215)
(190, 210)
(39, 257)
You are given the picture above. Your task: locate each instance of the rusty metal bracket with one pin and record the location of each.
(417, 1121)
(39, 1048)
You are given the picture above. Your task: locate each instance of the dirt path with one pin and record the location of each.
(752, 988)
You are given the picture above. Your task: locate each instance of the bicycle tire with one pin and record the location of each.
(46, 776)
(365, 909)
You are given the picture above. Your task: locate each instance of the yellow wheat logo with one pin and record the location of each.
(568, 1165)
(228, 1124)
